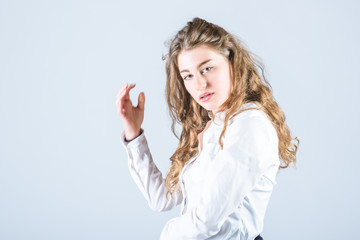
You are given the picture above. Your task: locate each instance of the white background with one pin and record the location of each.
(63, 170)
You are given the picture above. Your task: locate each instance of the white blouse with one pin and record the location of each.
(224, 192)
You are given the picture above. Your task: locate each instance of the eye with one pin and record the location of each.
(187, 77)
(206, 69)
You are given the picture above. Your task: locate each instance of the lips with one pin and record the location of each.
(205, 96)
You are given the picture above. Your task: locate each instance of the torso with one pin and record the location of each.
(200, 136)
(247, 218)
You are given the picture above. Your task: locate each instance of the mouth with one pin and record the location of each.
(206, 96)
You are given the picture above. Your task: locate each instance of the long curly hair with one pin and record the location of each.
(248, 85)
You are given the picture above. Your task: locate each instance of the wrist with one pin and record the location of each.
(131, 136)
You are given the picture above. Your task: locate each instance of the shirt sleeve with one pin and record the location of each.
(147, 176)
(234, 171)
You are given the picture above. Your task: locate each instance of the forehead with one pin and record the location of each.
(192, 57)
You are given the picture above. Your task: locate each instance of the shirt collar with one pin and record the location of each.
(220, 116)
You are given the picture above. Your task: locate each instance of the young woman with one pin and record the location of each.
(234, 138)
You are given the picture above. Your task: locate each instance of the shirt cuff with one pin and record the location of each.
(134, 142)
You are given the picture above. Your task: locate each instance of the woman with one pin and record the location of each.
(234, 138)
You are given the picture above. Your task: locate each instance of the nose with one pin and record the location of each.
(200, 82)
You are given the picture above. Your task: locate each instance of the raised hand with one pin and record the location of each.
(132, 117)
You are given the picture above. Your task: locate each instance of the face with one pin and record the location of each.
(206, 75)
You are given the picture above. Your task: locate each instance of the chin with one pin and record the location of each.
(208, 108)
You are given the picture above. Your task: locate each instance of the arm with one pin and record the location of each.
(147, 176)
(250, 147)
(142, 168)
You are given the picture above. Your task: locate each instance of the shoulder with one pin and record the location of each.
(251, 118)
(252, 131)
(249, 111)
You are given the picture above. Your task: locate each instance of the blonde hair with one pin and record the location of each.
(247, 86)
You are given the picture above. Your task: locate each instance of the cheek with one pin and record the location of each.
(225, 84)
(229, 86)
(188, 88)
(227, 81)
(191, 90)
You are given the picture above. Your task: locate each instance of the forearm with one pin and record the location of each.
(147, 176)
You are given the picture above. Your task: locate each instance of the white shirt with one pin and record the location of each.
(224, 192)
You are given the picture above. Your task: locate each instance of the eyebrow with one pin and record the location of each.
(204, 62)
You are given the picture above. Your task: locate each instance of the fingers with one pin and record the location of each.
(141, 101)
(123, 101)
(120, 99)
(125, 88)
(123, 93)
(127, 91)
(120, 94)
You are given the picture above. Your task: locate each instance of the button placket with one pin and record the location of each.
(182, 184)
